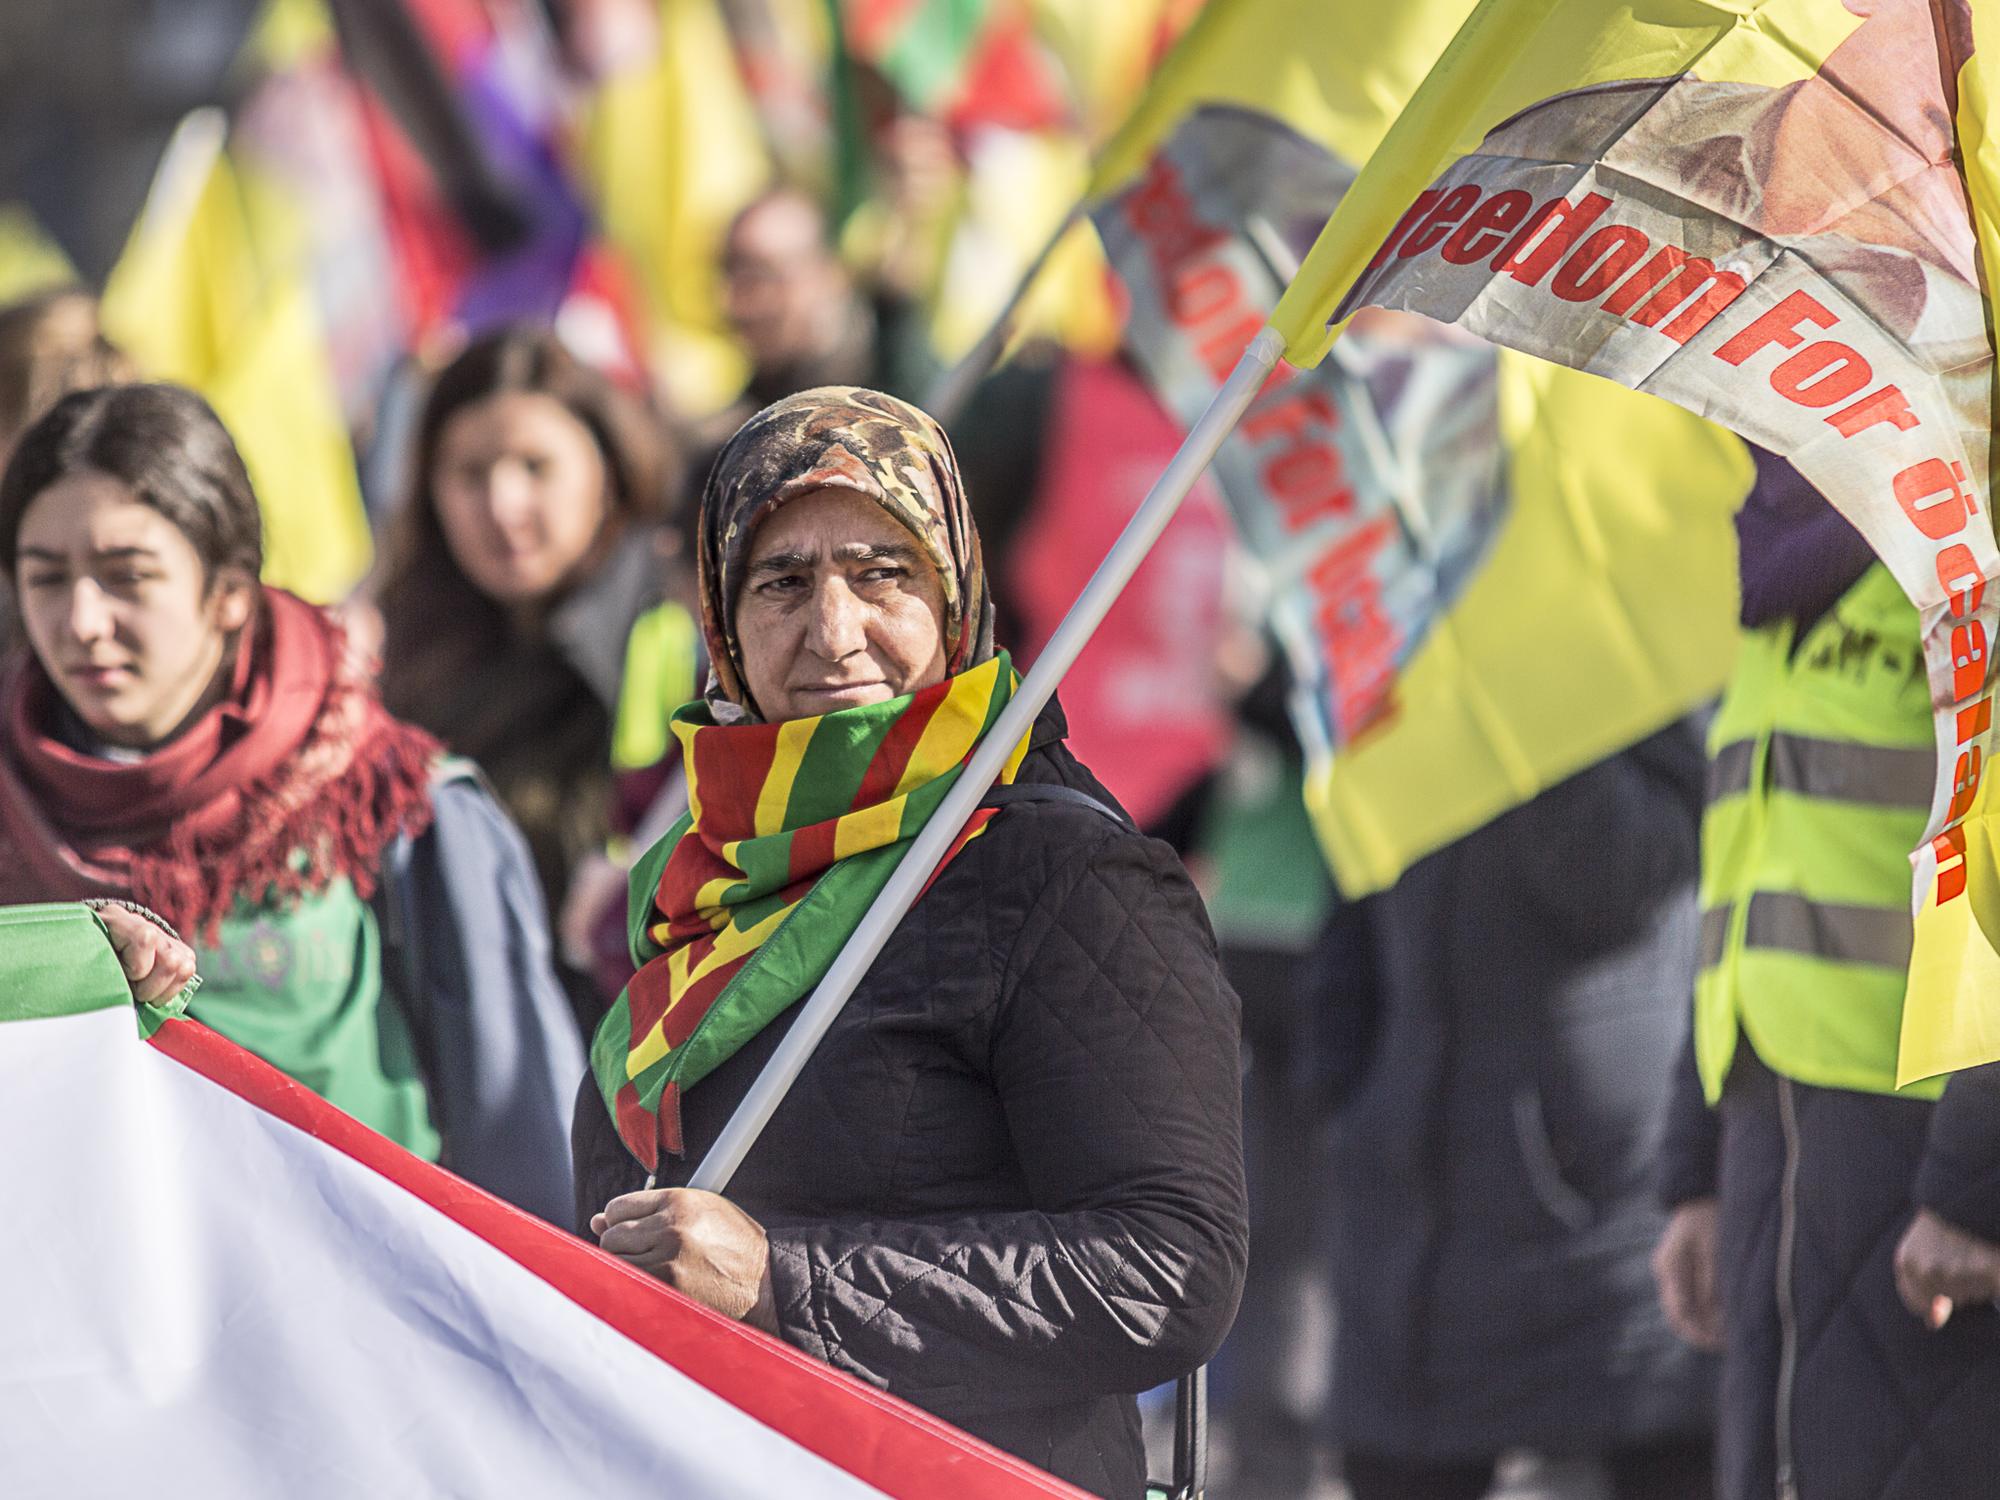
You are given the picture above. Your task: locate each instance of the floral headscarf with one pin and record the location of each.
(837, 437)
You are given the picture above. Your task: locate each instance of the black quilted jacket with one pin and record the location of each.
(1009, 1184)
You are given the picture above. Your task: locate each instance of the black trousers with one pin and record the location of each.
(1880, 1408)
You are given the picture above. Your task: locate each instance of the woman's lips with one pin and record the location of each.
(841, 689)
(98, 677)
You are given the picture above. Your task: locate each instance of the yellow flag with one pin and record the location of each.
(1455, 537)
(212, 292)
(1511, 55)
(1951, 1016)
(30, 261)
(1779, 213)
(1616, 568)
(673, 151)
(1020, 186)
(1105, 51)
(1337, 74)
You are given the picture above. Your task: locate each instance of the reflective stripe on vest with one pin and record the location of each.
(1729, 770)
(1714, 936)
(1791, 924)
(1836, 771)
(1845, 934)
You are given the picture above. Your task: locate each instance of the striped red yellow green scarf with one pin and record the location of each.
(805, 819)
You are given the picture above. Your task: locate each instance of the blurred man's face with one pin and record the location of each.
(785, 293)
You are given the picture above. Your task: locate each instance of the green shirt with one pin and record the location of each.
(300, 985)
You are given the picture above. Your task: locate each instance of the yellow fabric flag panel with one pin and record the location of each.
(672, 149)
(1451, 537)
(1606, 609)
(213, 292)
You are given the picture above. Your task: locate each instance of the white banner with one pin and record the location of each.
(203, 1299)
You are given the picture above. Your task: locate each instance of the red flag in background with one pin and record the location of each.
(968, 62)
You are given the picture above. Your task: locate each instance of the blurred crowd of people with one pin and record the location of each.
(1472, 1109)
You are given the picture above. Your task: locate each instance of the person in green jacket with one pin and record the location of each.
(180, 736)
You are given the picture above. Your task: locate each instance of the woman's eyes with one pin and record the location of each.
(478, 473)
(113, 578)
(787, 583)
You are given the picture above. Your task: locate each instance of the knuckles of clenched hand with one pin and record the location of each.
(1686, 1271)
(698, 1243)
(1939, 1266)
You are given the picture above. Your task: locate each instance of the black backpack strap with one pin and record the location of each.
(402, 949)
(1048, 791)
(402, 925)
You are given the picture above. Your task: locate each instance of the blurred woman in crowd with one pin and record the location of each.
(181, 736)
(50, 345)
(1032, 1099)
(533, 540)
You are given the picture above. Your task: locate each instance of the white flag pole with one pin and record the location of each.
(946, 398)
(931, 842)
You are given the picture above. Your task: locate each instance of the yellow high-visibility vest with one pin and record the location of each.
(662, 654)
(1820, 772)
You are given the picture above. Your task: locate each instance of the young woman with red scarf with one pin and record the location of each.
(179, 736)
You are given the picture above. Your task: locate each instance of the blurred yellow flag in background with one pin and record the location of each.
(1489, 572)
(213, 292)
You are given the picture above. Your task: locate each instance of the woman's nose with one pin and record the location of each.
(89, 612)
(834, 630)
(509, 495)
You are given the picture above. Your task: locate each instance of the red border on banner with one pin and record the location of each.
(877, 1438)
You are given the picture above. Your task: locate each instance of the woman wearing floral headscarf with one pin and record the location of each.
(1008, 1184)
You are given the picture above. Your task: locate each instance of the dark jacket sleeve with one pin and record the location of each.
(1689, 1152)
(1114, 1052)
(499, 1041)
(1959, 1178)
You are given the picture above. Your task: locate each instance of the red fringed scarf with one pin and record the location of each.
(298, 776)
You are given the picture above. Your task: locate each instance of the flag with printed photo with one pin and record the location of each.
(1777, 213)
(1451, 535)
